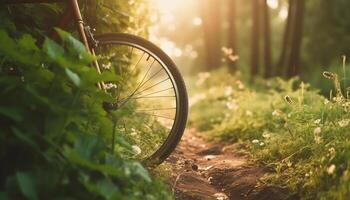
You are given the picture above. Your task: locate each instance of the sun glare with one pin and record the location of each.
(272, 4)
(168, 5)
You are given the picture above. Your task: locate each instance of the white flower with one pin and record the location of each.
(344, 122)
(317, 121)
(133, 132)
(266, 135)
(240, 85)
(107, 66)
(255, 141)
(277, 113)
(317, 130)
(109, 86)
(249, 113)
(136, 149)
(262, 144)
(331, 169)
(337, 99)
(228, 90)
(233, 58)
(326, 101)
(317, 135)
(202, 77)
(331, 153)
(232, 105)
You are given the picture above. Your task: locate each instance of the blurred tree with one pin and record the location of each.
(210, 11)
(294, 59)
(255, 43)
(286, 37)
(267, 40)
(232, 32)
(289, 63)
(331, 21)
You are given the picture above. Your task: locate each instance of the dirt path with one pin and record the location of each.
(204, 171)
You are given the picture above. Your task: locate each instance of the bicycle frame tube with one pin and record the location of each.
(72, 13)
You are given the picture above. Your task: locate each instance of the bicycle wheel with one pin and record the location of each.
(151, 99)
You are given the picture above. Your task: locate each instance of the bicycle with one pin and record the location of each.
(154, 97)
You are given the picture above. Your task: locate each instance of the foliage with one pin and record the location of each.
(102, 15)
(286, 125)
(54, 130)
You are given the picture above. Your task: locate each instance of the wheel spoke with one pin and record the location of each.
(155, 109)
(160, 116)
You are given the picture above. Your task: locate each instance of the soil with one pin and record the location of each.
(206, 170)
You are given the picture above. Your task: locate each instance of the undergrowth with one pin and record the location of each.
(286, 125)
(55, 135)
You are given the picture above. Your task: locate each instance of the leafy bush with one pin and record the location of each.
(54, 131)
(284, 124)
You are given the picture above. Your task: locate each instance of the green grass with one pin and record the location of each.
(286, 125)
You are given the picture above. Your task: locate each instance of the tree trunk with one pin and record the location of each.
(267, 40)
(210, 11)
(280, 68)
(232, 33)
(294, 60)
(255, 38)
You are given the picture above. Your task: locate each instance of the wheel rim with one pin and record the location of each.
(149, 74)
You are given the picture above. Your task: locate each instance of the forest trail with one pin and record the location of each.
(204, 171)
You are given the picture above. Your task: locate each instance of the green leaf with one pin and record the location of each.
(27, 184)
(52, 49)
(138, 169)
(28, 43)
(107, 188)
(12, 113)
(73, 77)
(74, 44)
(25, 138)
(3, 196)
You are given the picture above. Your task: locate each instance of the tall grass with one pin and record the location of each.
(285, 125)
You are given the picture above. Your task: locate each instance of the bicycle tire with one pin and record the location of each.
(179, 125)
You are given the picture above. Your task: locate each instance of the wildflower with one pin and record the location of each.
(109, 86)
(136, 149)
(326, 101)
(317, 121)
(232, 105)
(317, 135)
(266, 135)
(329, 75)
(228, 91)
(202, 77)
(331, 153)
(337, 99)
(262, 143)
(255, 141)
(344, 122)
(226, 50)
(288, 99)
(249, 113)
(229, 53)
(277, 113)
(133, 132)
(240, 85)
(317, 130)
(331, 169)
(107, 66)
(233, 58)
